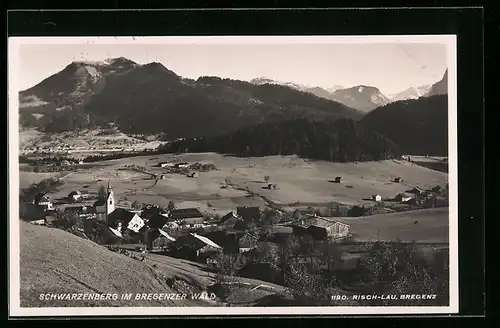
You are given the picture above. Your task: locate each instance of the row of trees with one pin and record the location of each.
(340, 140)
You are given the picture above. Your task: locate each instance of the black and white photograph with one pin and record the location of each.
(233, 175)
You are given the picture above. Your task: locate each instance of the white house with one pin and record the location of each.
(377, 198)
(46, 203)
(136, 223)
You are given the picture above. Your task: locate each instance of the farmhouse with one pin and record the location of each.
(121, 218)
(321, 228)
(195, 247)
(376, 198)
(75, 195)
(166, 164)
(416, 191)
(44, 201)
(403, 197)
(398, 179)
(158, 239)
(230, 220)
(337, 179)
(189, 217)
(247, 242)
(249, 213)
(182, 165)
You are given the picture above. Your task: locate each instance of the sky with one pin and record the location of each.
(392, 67)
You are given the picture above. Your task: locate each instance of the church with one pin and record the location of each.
(117, 218)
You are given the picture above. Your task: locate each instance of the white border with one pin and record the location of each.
(13, 146)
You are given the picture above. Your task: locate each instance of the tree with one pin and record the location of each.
(102, 193)
(137, 205)
(267, 178)
(171, 206)
(228, 180)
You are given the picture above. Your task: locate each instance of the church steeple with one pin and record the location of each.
(110, 201)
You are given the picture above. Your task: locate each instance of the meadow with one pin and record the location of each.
(299, 182)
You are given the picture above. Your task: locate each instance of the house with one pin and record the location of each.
(75, 195)
(162, 177)
(122, 219)
(337, 179)
(45, 202)
(398, 179)
(192, 175)
(231, 220)
(165, 164)
(158, 239)
(81, 210)
(322, 228)
(249, 213)
(182, 165)
(376, 198)
(403, 197)
(188, 217)
(247, 242)
(195, 247)
(416, 191)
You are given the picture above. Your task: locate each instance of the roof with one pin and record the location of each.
(318, 221)
(205, 240)
(195, 242)
(404, 194)
(43, 199)
(120, 215)
(166, 235)
(248, 241)
(157, 221)
(116, 232)
(75, 192)
(185, 213)
(230, 216)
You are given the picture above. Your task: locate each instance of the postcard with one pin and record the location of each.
(232, 175)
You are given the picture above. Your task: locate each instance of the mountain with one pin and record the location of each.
(411, 93)
(70, 88)
(363, 98)
(440, 87)
(152, 99)
(340, 140)
(335, 88)
(417, 126)
(265, 80)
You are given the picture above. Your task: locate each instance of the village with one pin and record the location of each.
(196, 234)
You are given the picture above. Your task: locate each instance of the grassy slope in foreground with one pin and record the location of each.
(432, 226)
(54, 261)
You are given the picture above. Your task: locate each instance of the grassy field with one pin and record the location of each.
(298, 180)
(432, 226)
(54, 261)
